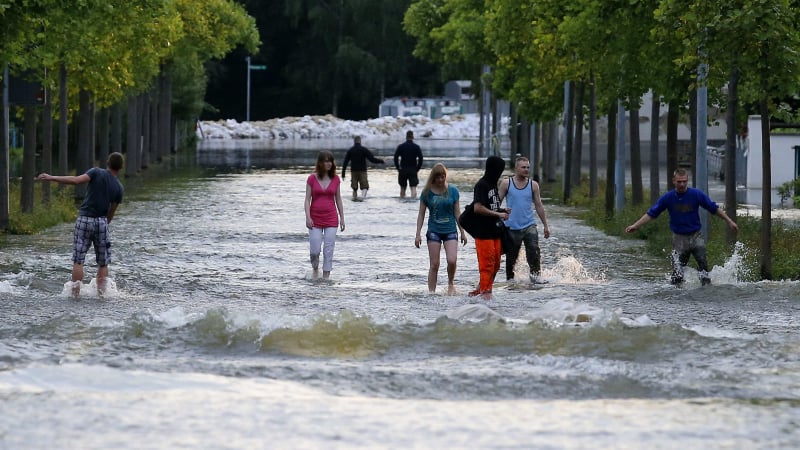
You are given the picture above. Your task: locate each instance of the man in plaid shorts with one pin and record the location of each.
(103, 195)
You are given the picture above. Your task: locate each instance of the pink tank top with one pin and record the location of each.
(323, 202)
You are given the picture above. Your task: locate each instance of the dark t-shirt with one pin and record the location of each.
(487, 227)
(408, 156)
(103, 190)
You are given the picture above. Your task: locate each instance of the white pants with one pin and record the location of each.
(316, 238)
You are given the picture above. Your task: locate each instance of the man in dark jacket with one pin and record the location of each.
(408, 161)
(489, 217)
(358, 155)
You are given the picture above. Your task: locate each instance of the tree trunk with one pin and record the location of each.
(4, 151)
(568, 150)
(103, 143)
(513, 134)
(31, 114)
(592, 141)
(116, 128)
(655, 165)
(637, 194)
(766, 192)
(536, 161)
(146, 107)
(693, 133)
(731, 151)
(577, 146)
(611, 156)
(552, 152)
(85, 156)
(133, 138)
(155, 151)
(545, 156)
(63, 122)
(166, 144)
(672, 141)
(47, 144)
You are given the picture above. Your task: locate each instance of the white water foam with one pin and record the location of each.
(90, 289)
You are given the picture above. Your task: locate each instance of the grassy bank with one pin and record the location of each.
(61, 208)
(657, 235)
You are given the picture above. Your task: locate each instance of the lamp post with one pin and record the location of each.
(249, 68)
(247, 116)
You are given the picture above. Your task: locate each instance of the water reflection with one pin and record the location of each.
(276, 154)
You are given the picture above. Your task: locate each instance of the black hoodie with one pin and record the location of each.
(487, 194)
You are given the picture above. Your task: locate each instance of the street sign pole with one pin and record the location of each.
(249, 68)
(248, 89)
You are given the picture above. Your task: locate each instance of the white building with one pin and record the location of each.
(784, 152)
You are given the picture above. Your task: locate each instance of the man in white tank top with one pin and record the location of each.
(522, 196)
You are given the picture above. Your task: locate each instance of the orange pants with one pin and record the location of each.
(489, 253)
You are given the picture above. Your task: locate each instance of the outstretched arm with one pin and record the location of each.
(64, 179)
(727, 219)
(372, 158)
(642, 220)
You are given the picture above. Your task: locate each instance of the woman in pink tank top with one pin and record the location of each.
(324, 212)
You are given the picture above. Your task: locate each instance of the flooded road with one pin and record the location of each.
(218, 337)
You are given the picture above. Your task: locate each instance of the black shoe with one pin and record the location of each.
(676, 280)
(535, 279)
(705, 281)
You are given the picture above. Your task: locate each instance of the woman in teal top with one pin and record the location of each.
(443, 227)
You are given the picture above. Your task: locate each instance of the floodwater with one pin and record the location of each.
(216, 335)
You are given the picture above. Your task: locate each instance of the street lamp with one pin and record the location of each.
(249, 68)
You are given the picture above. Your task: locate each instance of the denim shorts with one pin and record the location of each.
(433, 236)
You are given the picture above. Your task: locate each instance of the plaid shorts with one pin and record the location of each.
(91, 231)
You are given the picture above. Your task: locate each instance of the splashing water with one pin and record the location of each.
(567, 269)
(90, 289)
(734, 270)
(571, 271)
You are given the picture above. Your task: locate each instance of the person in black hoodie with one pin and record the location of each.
(358, 155)
(487, 230)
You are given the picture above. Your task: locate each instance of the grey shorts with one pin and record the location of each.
(91, 231)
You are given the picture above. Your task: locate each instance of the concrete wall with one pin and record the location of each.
(782, 150)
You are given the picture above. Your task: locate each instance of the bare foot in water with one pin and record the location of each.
(76, 289)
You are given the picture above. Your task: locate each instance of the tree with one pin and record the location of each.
(753, 42)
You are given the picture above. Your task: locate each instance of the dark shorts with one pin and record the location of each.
(359, 177)
(91, 231)
(407, 177)
(433, 236)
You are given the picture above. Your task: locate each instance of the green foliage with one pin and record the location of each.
(61, 209)
(790, 189)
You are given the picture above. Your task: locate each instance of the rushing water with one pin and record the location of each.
(217, 337)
